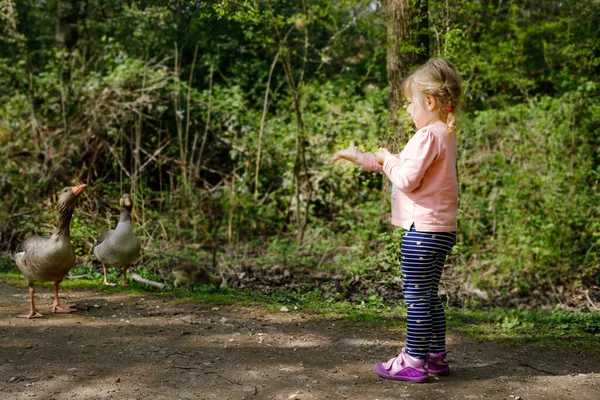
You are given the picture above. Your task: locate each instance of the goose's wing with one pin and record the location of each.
(100, 249)
(28, 256)
(32, 243)
(103, 237)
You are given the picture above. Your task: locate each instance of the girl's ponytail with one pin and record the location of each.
(452, 122)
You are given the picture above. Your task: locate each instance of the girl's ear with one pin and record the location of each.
(431, 103)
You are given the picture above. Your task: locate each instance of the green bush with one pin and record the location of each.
(529, 191)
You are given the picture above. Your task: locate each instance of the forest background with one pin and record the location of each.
(219, 117)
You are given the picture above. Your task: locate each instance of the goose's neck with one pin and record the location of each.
(125, 215)
(65, 212)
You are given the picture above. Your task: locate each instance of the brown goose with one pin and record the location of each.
(192, 274)
(119, 247)
(49, 259)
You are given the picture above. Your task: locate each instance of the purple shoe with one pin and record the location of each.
(437, 365)
(403, 368)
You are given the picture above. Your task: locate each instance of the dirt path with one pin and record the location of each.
(142, 347)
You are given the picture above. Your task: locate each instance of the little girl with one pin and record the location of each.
(424, 203)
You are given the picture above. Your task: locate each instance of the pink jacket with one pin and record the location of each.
(425, 184)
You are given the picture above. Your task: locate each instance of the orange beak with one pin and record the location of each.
(77, 190)
(127, 202)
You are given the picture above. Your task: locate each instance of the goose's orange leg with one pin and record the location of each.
(56, 307)
(105, 279)
(33, 313)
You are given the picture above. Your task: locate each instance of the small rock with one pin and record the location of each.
(284, 309)
(12, 379)
(250, 389)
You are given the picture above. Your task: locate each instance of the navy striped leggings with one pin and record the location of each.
(422, 256)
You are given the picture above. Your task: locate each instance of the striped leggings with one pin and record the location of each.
(422, 256)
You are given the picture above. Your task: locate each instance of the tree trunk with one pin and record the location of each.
(399, 56)
(68, 15)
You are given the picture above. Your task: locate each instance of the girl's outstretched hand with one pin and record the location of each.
(350, 154)
(382, 155)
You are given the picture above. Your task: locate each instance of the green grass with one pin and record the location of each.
(570, 331)
(554, 330)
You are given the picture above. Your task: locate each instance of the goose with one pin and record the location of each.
(49, 259)
(190, 274)
(119, 247)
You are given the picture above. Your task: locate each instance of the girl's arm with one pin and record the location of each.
(366, 160)
(418, 155)
(370, 163)
(350, 154)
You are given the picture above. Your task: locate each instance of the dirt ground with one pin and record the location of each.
(131, 346)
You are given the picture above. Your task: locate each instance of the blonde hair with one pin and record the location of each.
(437, 78)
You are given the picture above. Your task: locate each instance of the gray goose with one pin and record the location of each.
(49, 259)
(190, 274)
(119, 247)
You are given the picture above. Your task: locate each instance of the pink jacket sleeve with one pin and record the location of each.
(407, 171)
(370, 163)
